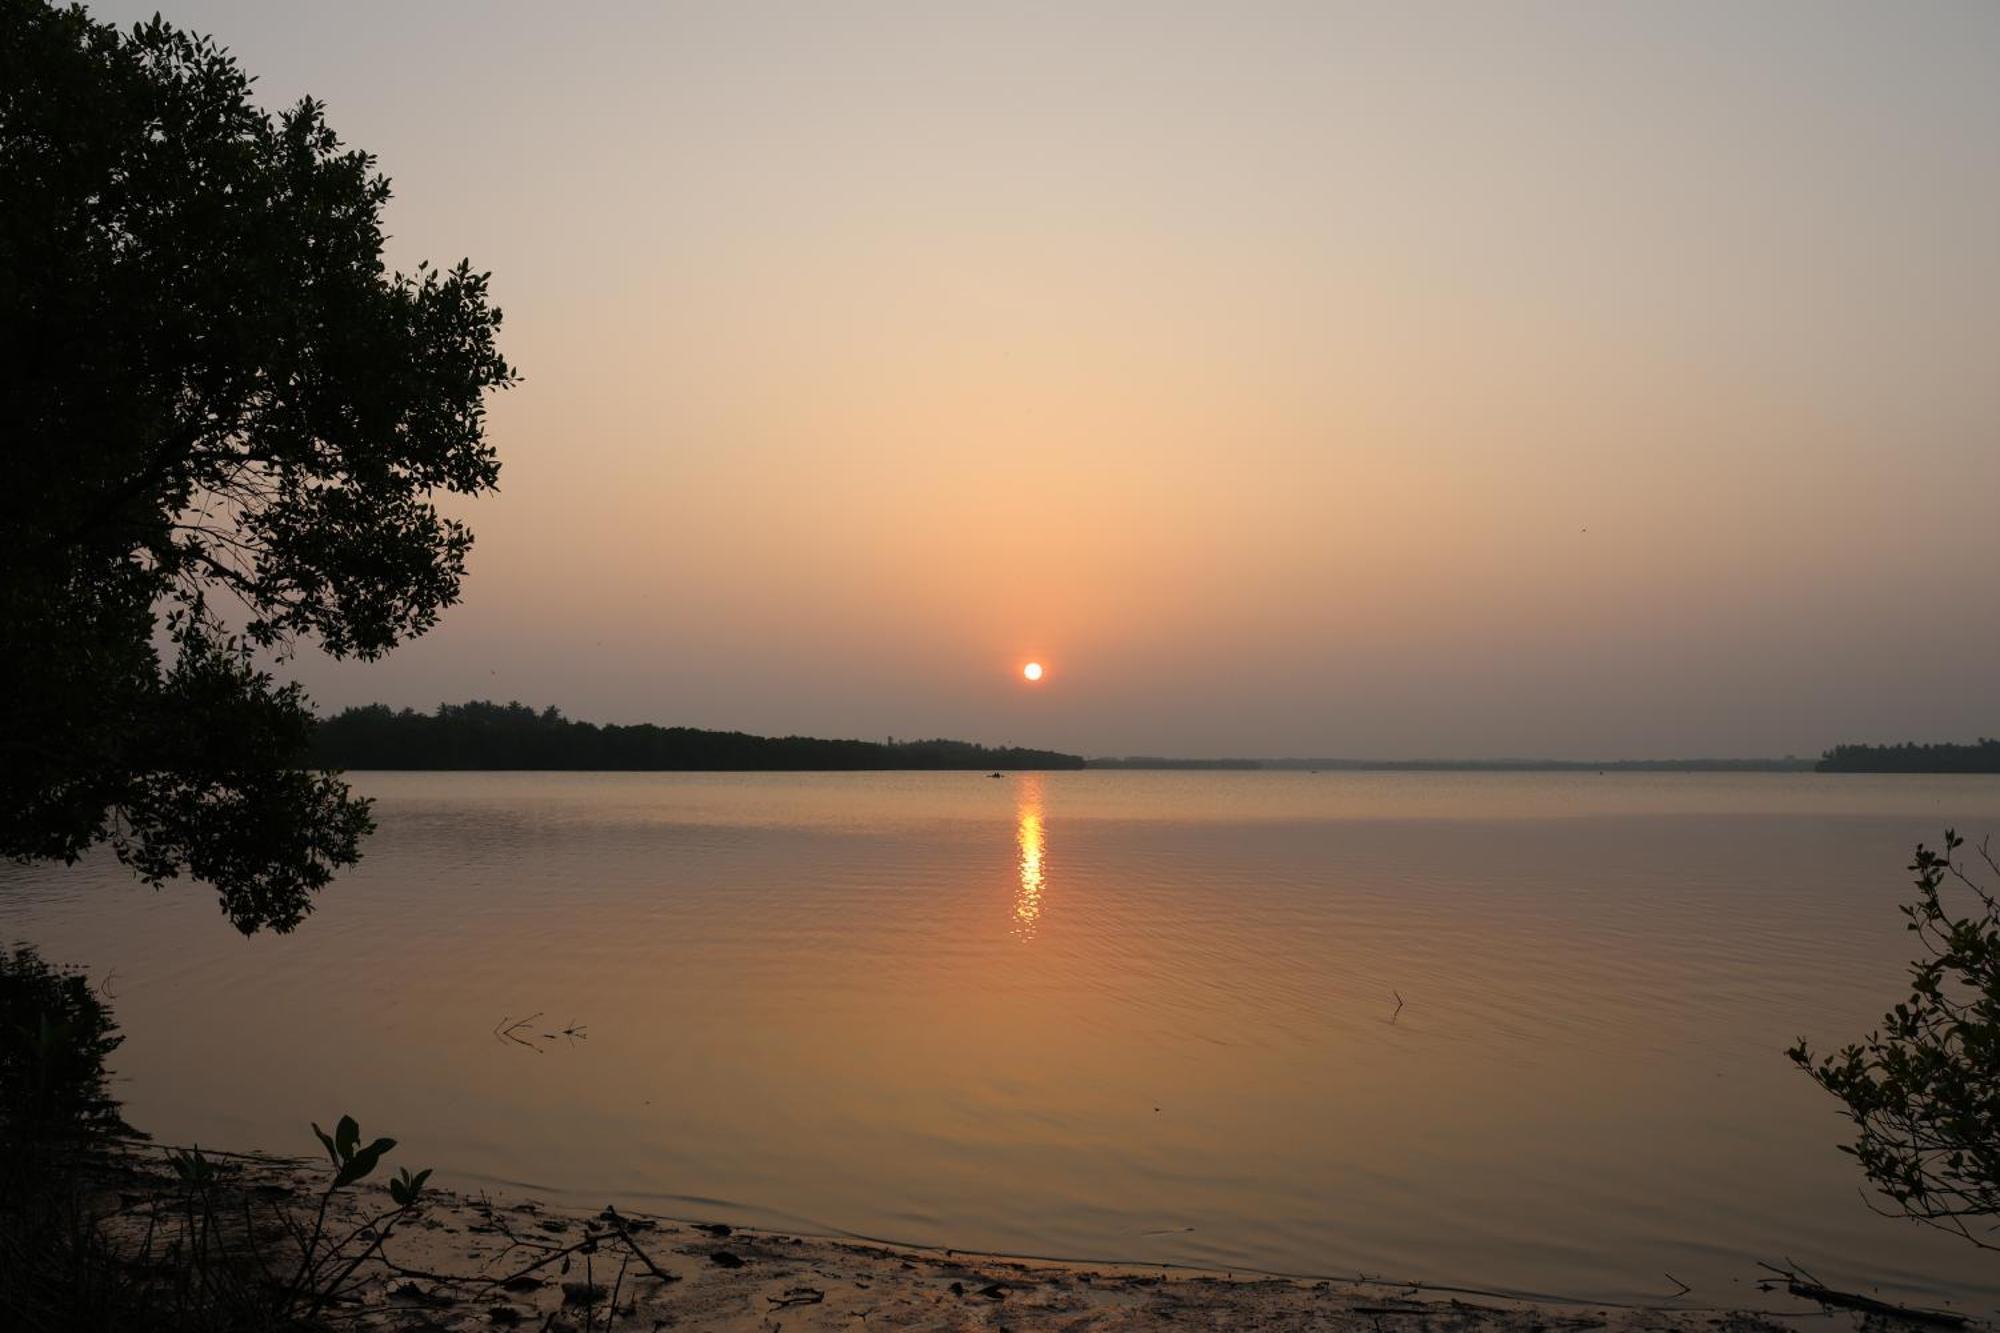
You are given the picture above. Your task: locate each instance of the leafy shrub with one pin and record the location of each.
(55, 1033)
(1924, 1090)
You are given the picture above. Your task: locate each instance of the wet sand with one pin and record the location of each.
(463, 1262)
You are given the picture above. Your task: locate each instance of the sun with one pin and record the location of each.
(1033, 671)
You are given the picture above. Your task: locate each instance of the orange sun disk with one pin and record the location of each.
(1033, 671)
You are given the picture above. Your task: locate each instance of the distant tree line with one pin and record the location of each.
(1982, 756)
(1786, 765)
(1153, 761)
(485, 735)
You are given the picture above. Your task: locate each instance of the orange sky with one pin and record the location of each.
(1317, 380)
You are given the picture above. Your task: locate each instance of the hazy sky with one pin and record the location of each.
(1577, 380)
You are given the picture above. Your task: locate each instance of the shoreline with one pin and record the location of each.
(462, 1261)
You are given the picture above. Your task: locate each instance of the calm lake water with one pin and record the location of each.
(1140, 1016)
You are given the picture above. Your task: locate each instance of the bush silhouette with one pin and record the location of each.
(1923, 1091)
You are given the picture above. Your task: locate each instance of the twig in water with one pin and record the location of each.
(1684, 1287)
(507, 1030)
(517, 1031)
(1397, 1012)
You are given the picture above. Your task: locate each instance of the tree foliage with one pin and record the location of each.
(1924, 1090)
(226, 425)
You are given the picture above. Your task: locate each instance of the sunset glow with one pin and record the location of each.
(1511, 489)
(992, 331)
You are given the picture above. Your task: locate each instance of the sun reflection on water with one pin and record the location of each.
(1028, 834)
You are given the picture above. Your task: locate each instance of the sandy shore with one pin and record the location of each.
(463, 1262)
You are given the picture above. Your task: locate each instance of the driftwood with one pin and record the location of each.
(1804, 1285)
(529, 1277)
(797, 1296)
(623, 1230)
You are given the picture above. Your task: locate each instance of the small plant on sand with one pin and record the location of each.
(325, 1269)
(328, 1258)
(1924, 1090)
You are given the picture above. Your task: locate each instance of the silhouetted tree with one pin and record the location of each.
(224, 425)
(1924, 1090)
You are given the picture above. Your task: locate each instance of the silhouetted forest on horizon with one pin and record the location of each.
(1982, 756)
(1789, 764)
(486, 735)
